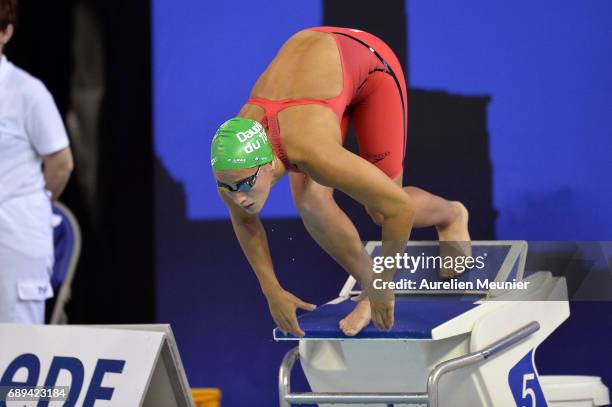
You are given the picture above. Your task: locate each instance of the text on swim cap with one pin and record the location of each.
(256, 130)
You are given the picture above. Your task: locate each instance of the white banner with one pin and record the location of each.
(88, 366)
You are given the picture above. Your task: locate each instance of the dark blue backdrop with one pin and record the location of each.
(546, 67)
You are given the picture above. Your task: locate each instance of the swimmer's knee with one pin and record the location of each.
(376, 217)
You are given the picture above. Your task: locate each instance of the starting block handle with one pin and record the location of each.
(357, 398)
(286, 398)
(284, 376)
(501, 345)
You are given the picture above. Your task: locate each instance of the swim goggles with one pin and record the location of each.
(244, 185)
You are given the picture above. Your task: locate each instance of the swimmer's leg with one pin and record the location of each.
(450, 218)
(335, 233)
(380, 120)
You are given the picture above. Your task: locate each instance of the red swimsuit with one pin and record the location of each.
(373, 98)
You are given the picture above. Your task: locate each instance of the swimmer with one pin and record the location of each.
(295, 123)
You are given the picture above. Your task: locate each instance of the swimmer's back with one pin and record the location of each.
(308, 66)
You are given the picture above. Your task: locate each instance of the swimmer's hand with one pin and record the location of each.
(382, 306)
(282, 306)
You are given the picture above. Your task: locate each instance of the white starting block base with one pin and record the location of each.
(574, 391)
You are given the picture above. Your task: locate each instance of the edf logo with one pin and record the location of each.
(74, 366)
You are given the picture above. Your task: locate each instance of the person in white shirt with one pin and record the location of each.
(35, 165)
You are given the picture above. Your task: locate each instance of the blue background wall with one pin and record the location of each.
(546, 68)
(206, 57)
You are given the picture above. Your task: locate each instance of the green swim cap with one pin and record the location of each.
(240, 143)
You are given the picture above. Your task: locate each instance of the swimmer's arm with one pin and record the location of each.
(254, 243)
(340, 169)
(333, 166)
(316, 149)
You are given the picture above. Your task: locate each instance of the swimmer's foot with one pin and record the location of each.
(454, 238)
(358, 319)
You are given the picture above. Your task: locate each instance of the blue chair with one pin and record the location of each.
(67, 246)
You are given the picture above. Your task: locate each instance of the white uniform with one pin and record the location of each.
(30, 127)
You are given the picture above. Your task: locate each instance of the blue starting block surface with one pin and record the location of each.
(415, 318)
(419, 312)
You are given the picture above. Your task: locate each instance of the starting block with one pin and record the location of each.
(466, 345)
